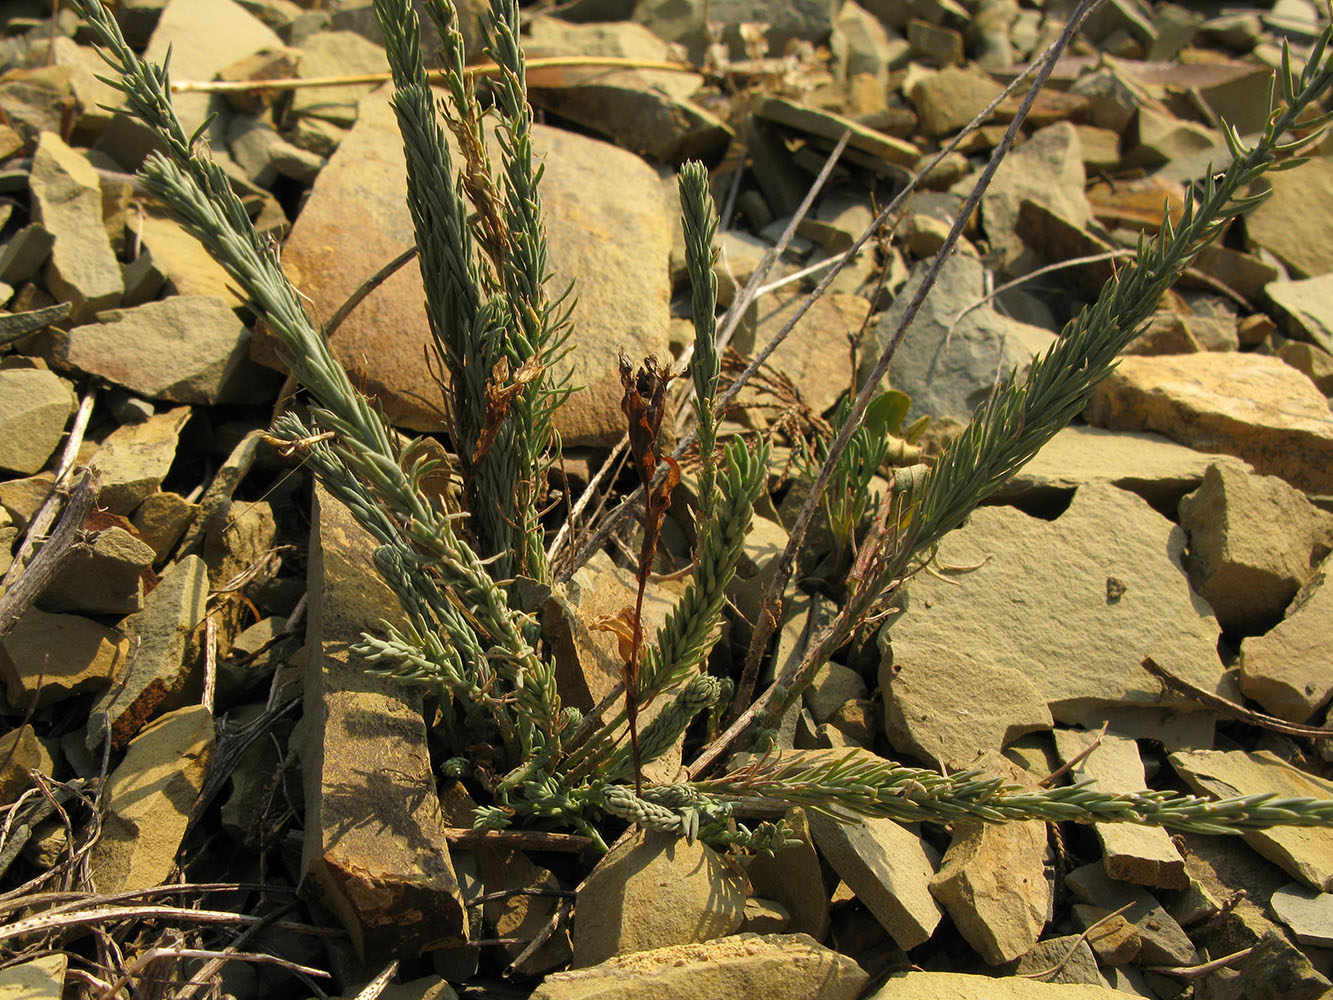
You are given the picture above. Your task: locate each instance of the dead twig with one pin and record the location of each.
(1076, 760)
(1216, 701)
(1054, 969)
(1199, 971)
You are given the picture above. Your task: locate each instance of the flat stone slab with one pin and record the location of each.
(1305, 853)
(959, 986)
(1054, 601)
(374, 851)
(1309, 914)
(1250, 405)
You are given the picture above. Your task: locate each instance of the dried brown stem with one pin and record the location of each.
(1216, 701)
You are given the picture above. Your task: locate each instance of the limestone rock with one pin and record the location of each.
(38, 979)
(1042, 603)
(1047, 169)
(67, 201)
(644, 111)
(766, 916)
(947, 708)
(19, 752)
(652, 891)
(833, 686)
(1078, 967)
(365, 754)
(949, 369)
(149, 800)
(1249, 405)
(893, 153)
(887, 865)
(1288, 670)
(1254, 541)
(863, 47)
(608, 231)
(1113, 939)
(992, 880)
(104, 579)
(1305, 308)
(135, 458)
(161, 520)
(1157, 137)
(1306, 853)
(186, 349)
(35, 405)
(948, 100)
(188, 268)
(22, 498)
(774, 966)
(159, 676)
(1163, 942)
(956, 985)
(1294, 221)
(48, 658)
(1154, 467)
(1309, 914)
(336, 53)
(1143, 855)
(792, 877)
(1313, 362)
(25, 253)
(683, 21)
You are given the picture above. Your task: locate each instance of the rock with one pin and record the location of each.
(251, 142)
(683, 21)
(1293, 222)
(766, 916)
(159, 676)
(886, 864)
(1113, 939)
(1039, 602)
(149, 799)
(205, 37)
(776, 966)
(813, 355)
(935, 44)
(948, 100)
(135, 458)
(956, 985)
(188, 268)
(1303, 308)
(1154, 467)
(949, 368)
(1313, 362)
(1248, 405)
(267, 64)
(260, 780)
(1306, 853)
(992, 880)
(1162, 940)
(863, 47)
(1071, 953)
(1156, 137)
(186, 349)
(19, 752)
(1254, 541)
(25, 253)
(1309, 914)
(316, 135)
(1277, 971)
(947, 708)
(1287, 670)
(294, 162)
(336, 53)
(1048, 170)
(104, 579)
(35, 405)
(67, 201)
(364, 754)
(652, 891)
(241, 540)
(792, 877)
(644, 111)
(833, 686)
(49, 658)
(22, 498)
(425, 988)
(161, 520)
(1144, 855)
(892, 155)
(1243, 272)
(608, 232)
(39, 979)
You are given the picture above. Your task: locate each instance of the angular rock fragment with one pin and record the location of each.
(957, 985)
(1254, 541)
(38, 979)
(161, 520)
(1248, 405)
(652, 891)
(186, 349)
(1294, 222)
(150, 797)
(365, 754)
(105, 578)
(947, 708)
(159, 676)
(1288, 670)
(948, 100)
(774, 966)
(135, 458)
(792, 877)
(1313, 362)
(336, 53)
(1304, 309)
(48, 658)
(19, 752)
(187, 267)
(1070, 953)
(1162, 941)
(1306, 853)
(1143, 855)
(1113, 939)
(67, 201)
(1309, 914)
(1050, 598)
(35, 405)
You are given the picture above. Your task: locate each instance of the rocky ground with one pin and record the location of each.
(204, 794)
